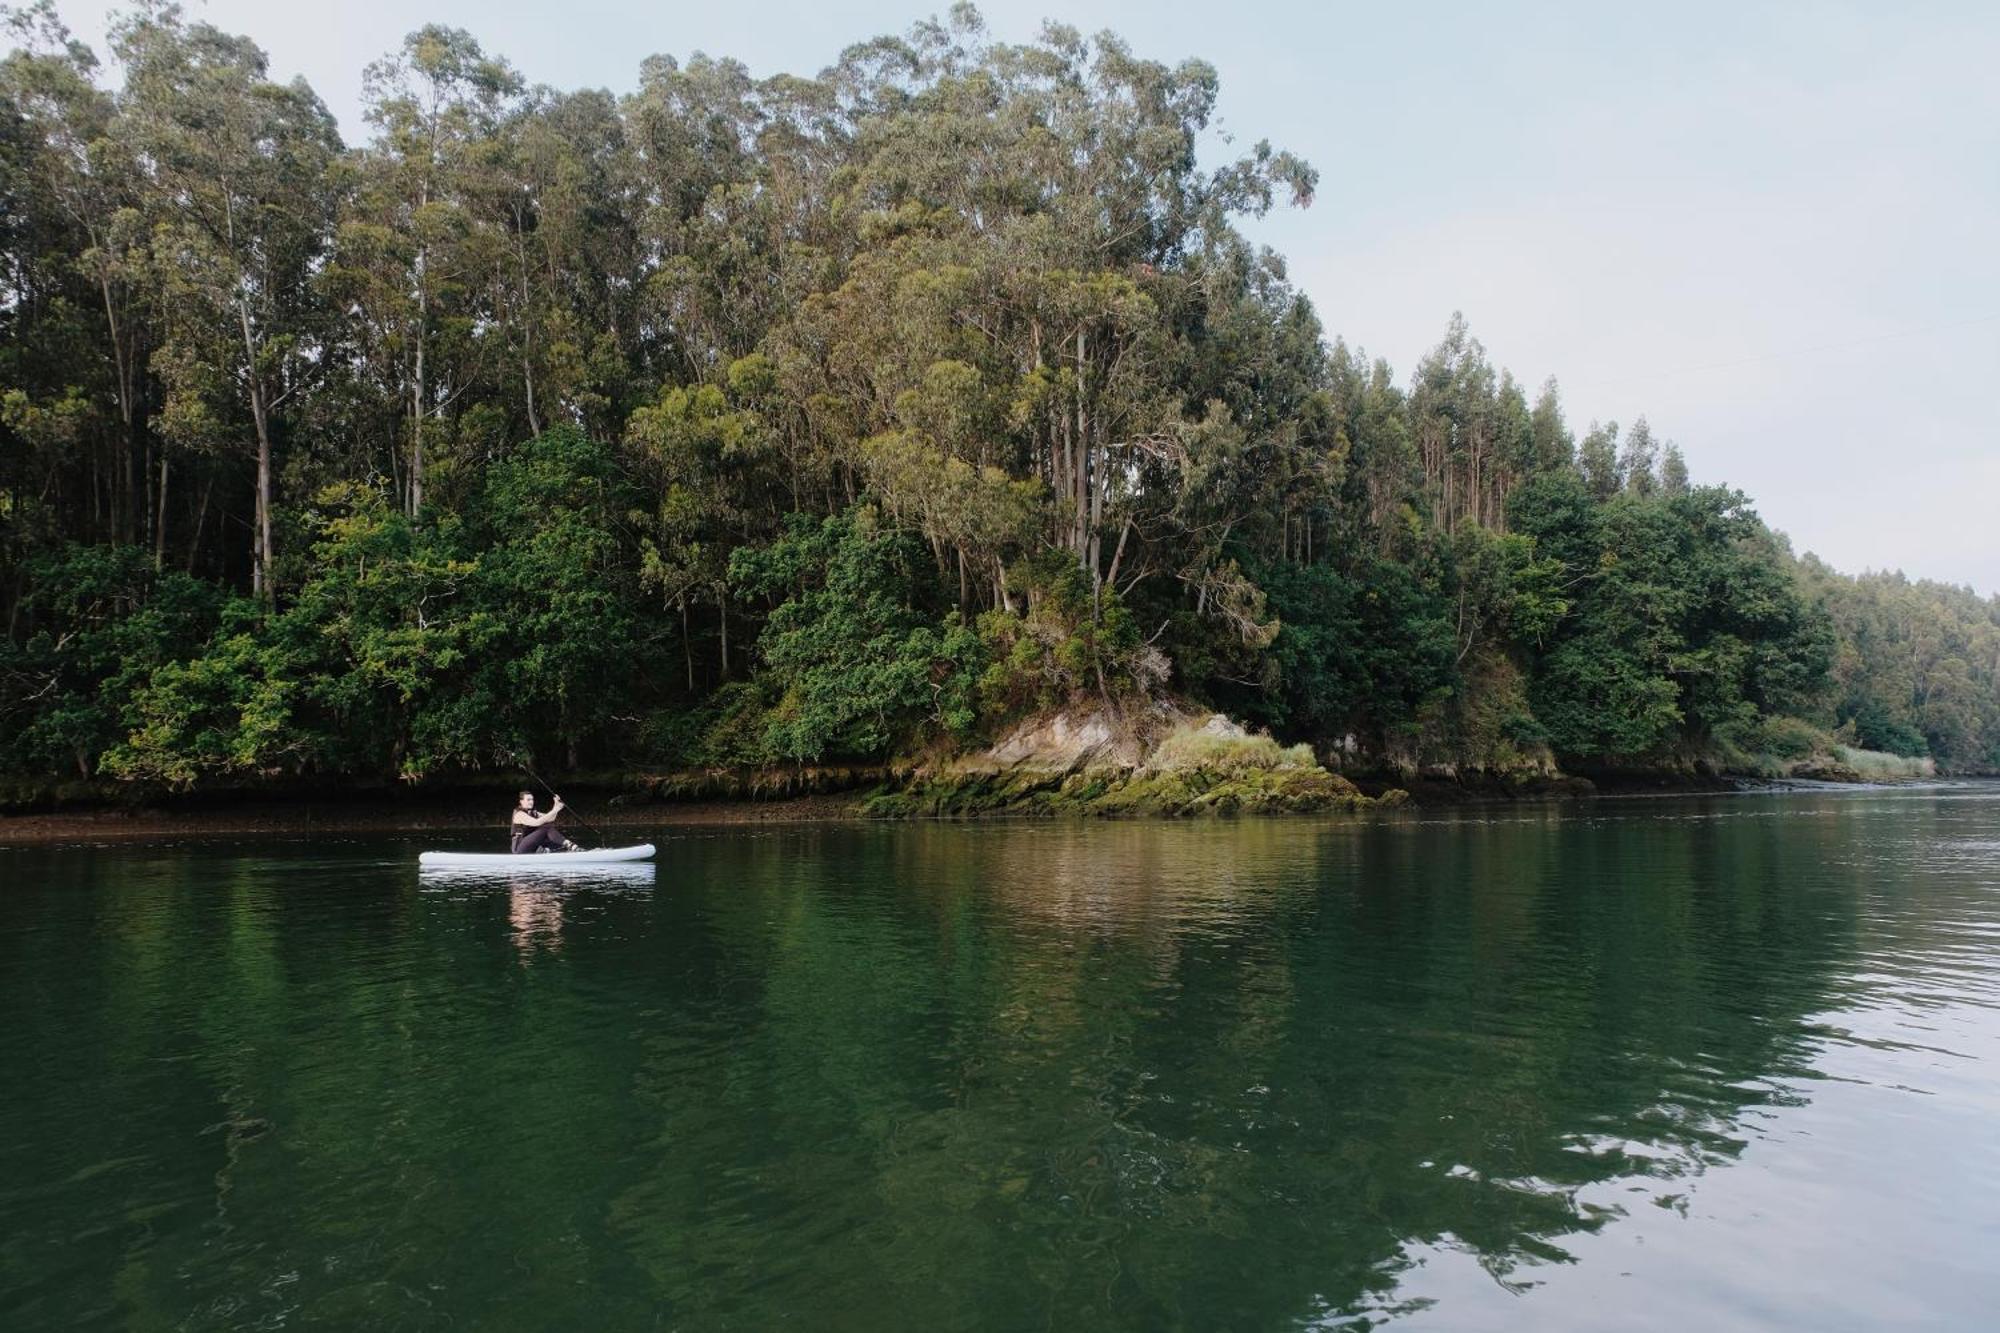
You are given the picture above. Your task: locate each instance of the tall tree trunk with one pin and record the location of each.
(527, 325)
(200, 519)
(535, 422)
(160, 517)
(687, 644)
(1118, 553)
(128, 500)
(122, 364)
(260, 573)
(422, 266)
(260, 569)
(1081, 462)
(417, 420)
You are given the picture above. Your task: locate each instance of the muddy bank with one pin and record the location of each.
(464, 820)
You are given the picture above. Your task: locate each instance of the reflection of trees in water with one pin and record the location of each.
(271, 1089)
(1014, 1075)
(1221, 1074)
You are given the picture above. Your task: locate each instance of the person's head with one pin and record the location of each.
(526, 802)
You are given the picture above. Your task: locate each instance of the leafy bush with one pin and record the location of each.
(1071, 641)
(1202, 748)
(860, 670)
(1792, 738)
(413, 647)
(1360, 652)
(1875, 728)
(99, 620)
(1524, 729)
(728, 729)
(1685, 627)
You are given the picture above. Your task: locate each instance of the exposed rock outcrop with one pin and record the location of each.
(1160, 760)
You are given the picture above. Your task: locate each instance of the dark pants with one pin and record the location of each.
(534, 839)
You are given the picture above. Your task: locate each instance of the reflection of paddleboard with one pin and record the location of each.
(536, 860)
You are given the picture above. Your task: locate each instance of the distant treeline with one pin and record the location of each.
(745, 421)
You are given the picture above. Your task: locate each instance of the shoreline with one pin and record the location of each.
(461, 814)
(298, 815)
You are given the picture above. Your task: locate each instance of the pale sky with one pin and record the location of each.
(1770, 228)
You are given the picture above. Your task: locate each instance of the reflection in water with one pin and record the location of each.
(535, 912)
(1515, 1067)
(535, 897)
(603, 874)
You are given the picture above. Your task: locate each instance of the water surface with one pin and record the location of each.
(1728, 1062)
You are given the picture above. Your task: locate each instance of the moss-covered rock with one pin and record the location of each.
(1172, 767)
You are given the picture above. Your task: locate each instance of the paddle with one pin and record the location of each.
(595, 831)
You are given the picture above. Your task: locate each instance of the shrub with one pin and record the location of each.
(1792, 738)
(1209, 750)
(1880, 767)
(98, 620)
(1073, 640)
(861, 670)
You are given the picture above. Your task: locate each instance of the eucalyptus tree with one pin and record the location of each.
(936, 386)
(1639, 461)
(76, 160)
(708, 459)
(564, 277)
(1597, 459)
(708, 259)
(1453, 416)
(436, 105)
(1037, 208)
(239, 174)
(1673, 471)
(1553, 446)
(1383, 475)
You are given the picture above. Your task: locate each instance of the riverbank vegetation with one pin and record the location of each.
(821, 421)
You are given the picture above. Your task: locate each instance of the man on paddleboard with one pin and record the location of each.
(538, 832)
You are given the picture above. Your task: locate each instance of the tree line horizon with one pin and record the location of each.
(746, 421)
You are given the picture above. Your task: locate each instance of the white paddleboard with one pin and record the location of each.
(536, 860)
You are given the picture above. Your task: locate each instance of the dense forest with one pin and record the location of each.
(743, 421)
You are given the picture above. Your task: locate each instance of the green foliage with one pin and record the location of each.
(948, 379)
(1686, 626)
(1916, 667)
(1354, 653)
(376, 663)
(1187, 748)
(558, 568)
(1071, 641)
(228, 710)
(1248, 780)
(1792, 738)
(1876, 766)
(1874, 727)
(413, 647)
(98, 619)
(730, 728)
(860, 669)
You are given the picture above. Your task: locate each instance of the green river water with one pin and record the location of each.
(1726, 1062)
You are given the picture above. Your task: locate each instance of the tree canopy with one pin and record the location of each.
(749, 420)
